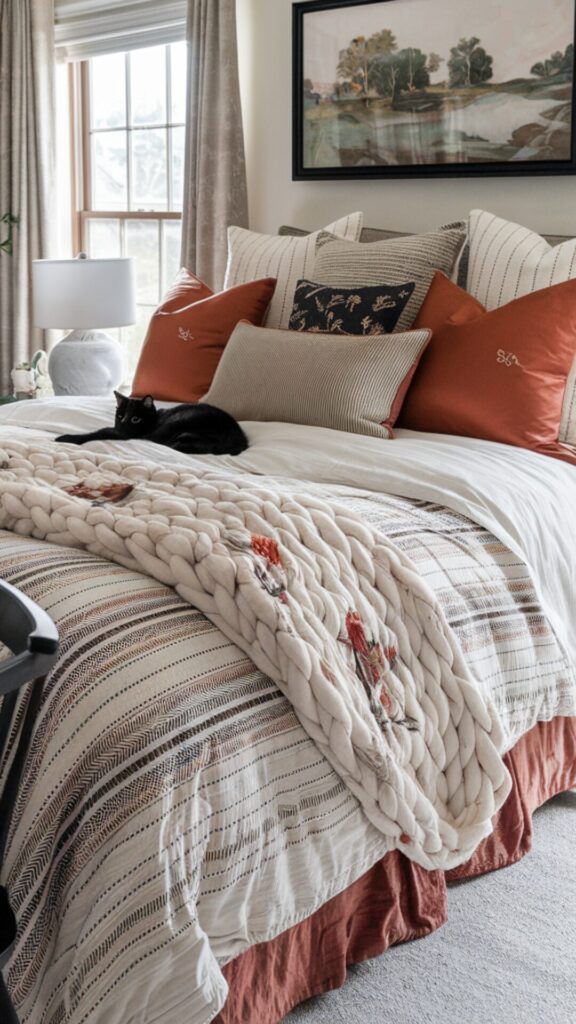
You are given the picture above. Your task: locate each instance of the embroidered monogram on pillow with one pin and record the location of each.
(497, 374)
(323, 308)
(507, 261)
(188, 333)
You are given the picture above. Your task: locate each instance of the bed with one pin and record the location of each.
(182, 847)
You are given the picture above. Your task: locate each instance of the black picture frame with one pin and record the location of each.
(481, 168)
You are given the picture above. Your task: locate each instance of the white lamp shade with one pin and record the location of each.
(83, 293)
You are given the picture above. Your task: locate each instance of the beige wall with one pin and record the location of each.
(545, 204)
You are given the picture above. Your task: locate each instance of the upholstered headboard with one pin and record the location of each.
(368, 234)
(380, 234)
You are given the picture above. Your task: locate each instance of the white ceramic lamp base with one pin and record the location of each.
(86, 363)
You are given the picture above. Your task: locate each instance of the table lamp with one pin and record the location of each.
(84, 294)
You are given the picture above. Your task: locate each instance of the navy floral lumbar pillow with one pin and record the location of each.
(327, 309)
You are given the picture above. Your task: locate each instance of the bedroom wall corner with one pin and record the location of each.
(546, 204)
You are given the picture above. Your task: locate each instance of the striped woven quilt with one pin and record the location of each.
(172, 788)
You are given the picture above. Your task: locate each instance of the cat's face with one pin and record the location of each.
(135, 417)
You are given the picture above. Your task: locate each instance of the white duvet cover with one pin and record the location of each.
(525, 499)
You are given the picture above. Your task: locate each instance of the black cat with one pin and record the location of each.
(199, 429)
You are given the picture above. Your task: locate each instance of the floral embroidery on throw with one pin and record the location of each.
(271, 582)
(185, 334)
(268, 565)
(369, 653)
(267, 547)
(102, 494)
(390, 654)
(370, 665)
(271, 575)
(373, 664)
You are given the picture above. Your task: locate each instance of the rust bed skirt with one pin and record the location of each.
(396, 900)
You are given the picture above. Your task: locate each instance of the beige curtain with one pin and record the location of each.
(26, 166)
(214, 172)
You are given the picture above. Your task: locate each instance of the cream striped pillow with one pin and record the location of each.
(252, 256)
(506, 261)
(392, 261)
(345, 382)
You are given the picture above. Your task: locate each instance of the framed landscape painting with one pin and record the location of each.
(418, 88)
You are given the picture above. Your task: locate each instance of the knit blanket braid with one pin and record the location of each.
(322, 603)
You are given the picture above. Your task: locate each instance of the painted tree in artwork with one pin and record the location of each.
(469, 64)
(354, 61)
(567, 64)
(414, 74)
(547, 68)
(382, 42)
(557, 64)
(393, 73)
(434, 62)
(384, 75)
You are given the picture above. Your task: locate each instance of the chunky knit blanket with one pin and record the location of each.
(329, 608)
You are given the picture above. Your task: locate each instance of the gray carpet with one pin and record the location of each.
(506, 956)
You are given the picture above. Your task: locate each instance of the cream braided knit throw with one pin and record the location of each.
(323, 604)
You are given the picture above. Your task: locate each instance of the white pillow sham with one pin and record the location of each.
(252, 255)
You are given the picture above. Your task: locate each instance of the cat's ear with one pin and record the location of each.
(148, 402)
(119, 398)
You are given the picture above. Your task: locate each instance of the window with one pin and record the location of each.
(130, 114)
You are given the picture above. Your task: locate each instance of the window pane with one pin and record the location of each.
(172, 233)
(132, 337)
(148, 85)
(142, 242)
(103, 238)
(149, 172)
(178, 82)
(108, 91)
(109, 179)
(177, 167)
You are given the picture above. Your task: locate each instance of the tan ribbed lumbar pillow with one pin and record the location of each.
(252, 256)
(349, 382)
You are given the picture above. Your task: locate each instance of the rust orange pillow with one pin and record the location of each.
(188, 334)
(186, 289)
(498, 375)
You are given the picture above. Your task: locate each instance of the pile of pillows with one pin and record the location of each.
(327, 330)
